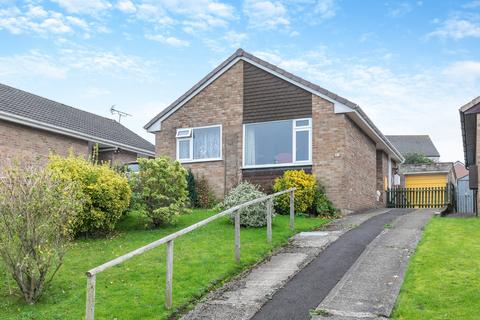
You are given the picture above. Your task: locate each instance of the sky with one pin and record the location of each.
(409, 64)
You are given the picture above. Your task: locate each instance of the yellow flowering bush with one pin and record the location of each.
(105, 193)
(304, 194)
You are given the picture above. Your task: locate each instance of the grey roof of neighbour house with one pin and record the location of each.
(421, 144)
(29, 109)
(239, 53)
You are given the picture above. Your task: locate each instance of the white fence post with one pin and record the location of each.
(237, 236)
(269, 220)
(292, 210)
(169, 282)
(90, 311)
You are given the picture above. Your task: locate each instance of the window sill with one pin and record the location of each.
(266, 166)
(200, 160)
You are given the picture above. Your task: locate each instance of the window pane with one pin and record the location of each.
(302, 123)
(184, 149)
(268, 143)
(183, 133)
(301, 145)
(206, 143)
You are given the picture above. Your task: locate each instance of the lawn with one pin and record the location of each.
(135, 290)
(442, 280)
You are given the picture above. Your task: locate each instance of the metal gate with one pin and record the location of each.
(437, 197)
(465, 198)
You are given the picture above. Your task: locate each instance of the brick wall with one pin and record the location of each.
(382, 172)
(219, 103)
(328, 149)
(18, 141)
(119, 157)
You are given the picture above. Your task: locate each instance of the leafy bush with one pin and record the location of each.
(251, 216)
(106, 193)
(304, 194)
(192, 192)
(160, 189)
(417, 158)
(322, 205)
(205, 196)
(36, 208)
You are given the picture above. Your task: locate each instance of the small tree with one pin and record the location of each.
(192, 193)
(35, 210)
(417, 158)
(160, 189)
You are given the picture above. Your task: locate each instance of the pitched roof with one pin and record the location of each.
(30, 109)
(460, 169)
(241, 54)
(414, 144)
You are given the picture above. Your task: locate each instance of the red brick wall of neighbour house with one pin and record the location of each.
(360, 168)
(119, 157)
(382, 172)
(328, 150)
(219, 103)
(19, 141)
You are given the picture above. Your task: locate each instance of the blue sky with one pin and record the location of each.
(409, 64)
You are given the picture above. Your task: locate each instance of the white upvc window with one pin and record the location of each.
(277, 143)
(199, 144)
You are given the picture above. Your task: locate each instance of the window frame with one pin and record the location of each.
(190, 139)
(294, 162)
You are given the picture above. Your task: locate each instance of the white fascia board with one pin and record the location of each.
(67, 132)
(156, 126)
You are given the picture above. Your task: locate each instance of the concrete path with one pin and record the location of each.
(244, 296)
(370, 287)
(312, 284)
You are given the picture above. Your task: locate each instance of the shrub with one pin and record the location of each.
(322, 205)
(251, 216)
(106, 193)
(160, 189)
(417, 158)
(205, 196)
(35, 210)
(192, 192)
(304, 194)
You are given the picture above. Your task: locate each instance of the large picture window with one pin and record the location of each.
(277, 143)
(199, 144)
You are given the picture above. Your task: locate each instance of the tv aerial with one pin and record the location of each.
(119, 113)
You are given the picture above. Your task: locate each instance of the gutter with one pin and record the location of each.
(71, 133)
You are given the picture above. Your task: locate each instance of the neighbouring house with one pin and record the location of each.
(32, 127)
(250, 120)
(469, 119)
(433, 175)
(461, 170)
(420, 144)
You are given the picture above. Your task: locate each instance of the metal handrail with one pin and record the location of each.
(91, 274)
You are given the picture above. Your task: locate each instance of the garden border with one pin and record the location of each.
(91, 274)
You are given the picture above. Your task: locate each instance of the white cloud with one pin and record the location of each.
(265, 14)
(126, 6)
(399, 9)
(95, 92)
(235, 39)
(32, 64)
(325, 9)
(472, 4)
(172, 41)
(35, 19)
(84, 6)
(456, 28)
(464, 70)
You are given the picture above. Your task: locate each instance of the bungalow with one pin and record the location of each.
(32, 127)
(250, 120)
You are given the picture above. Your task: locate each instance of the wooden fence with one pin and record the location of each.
(91, 274)
(437, 197)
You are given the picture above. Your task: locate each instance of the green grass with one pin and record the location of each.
(135, 289)
(443, 278)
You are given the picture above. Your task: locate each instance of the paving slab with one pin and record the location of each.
(242, 297)
(370, 287)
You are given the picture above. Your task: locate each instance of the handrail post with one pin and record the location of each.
(90, 310)
(237, 236)
(269, 219)
(169, 278)
(292, 210)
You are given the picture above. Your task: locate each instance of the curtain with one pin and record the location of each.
(206, 143)
(249, 145)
